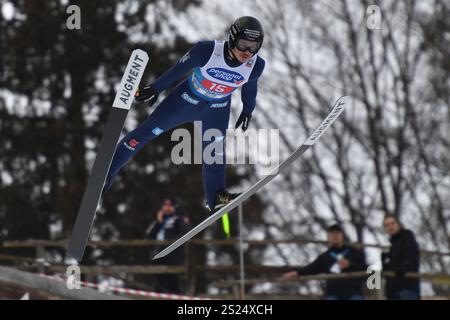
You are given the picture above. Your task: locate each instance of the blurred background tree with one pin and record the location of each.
(388, 154)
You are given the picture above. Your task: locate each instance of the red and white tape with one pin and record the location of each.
(128, 291)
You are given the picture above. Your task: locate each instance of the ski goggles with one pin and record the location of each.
(247, 45)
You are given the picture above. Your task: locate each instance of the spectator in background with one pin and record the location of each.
(170, 224)
(339, 258)
(402, 257)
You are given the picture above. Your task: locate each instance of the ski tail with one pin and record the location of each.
(335, 112)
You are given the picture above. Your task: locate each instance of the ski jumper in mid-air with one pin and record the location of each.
(219, 68)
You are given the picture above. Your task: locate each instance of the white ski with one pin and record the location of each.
(326, 123)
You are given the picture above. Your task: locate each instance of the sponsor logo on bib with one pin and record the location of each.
(225, 75)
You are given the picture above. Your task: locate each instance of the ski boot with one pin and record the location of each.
(223, 197)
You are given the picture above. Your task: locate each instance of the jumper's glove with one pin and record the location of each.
(243, 119)
(146, 94)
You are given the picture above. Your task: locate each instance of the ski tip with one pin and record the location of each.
(342, 98)
(141, 52)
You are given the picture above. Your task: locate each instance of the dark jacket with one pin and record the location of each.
(402, 257)
(324, 264)
(173, 227)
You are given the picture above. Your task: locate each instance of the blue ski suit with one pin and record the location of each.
(185, 104)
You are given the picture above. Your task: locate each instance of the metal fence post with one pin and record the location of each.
(241, 254)
(40, 257)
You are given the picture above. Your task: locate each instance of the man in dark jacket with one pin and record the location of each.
(402, 257)
(339, 258)
(169, 225)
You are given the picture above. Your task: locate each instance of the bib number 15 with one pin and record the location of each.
(217, 87)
